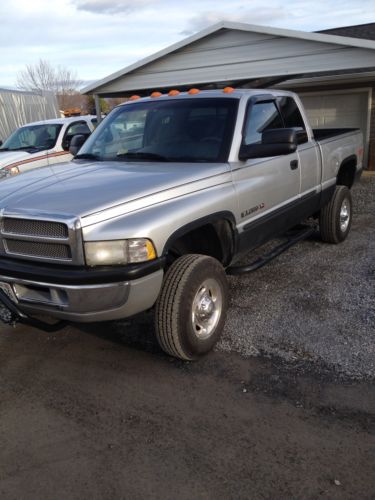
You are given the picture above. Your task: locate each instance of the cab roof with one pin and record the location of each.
(233, 94)
(61, 121)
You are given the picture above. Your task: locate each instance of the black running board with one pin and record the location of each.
(11, 315)
(293, 237)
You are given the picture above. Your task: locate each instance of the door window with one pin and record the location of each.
(74, 129)
(263, 116)
(292, 117)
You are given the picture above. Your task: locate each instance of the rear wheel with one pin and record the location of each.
(336, 217)
(191, 308)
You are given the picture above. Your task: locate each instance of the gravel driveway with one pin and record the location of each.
(316, 302)
(97, 411)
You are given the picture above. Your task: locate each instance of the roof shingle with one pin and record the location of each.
(365, 31)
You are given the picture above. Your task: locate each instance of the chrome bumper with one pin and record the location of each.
(85, 303)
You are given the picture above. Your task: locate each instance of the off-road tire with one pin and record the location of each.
(175, 329)
(331, 218)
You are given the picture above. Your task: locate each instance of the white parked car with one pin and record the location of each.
(42, 143)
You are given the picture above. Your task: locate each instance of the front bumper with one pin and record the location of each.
(94, 295)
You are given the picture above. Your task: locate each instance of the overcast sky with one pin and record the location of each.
(97, 37)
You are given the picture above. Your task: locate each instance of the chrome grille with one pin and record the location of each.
(35, 228)
(38, 249)
(41, 238)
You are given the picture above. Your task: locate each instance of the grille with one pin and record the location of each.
(38, 249)
(35, 228)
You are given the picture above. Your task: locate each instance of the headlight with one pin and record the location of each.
(9, 171)
(104, 253)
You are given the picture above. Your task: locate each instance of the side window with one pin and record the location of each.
(74, 129)
(78, 128)
(292, 117)
(263, 116)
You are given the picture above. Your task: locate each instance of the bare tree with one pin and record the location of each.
(43, 76)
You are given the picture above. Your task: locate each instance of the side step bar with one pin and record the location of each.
(293, 237)
(11, 315)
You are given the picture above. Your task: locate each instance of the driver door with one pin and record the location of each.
(60, 153)
(267, 188)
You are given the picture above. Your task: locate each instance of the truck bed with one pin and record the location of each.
(336, 145)
(326, 133)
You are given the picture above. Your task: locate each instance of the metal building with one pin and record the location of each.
(18, 108)
(334, 75)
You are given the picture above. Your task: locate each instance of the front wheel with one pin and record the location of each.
(336, 217)
(191, 308)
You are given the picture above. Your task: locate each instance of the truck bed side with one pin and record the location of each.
(339, 146)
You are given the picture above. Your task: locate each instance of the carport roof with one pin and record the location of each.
(240, 54)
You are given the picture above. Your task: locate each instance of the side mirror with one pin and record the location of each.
(302, 136)
(76, 143)
(275, 142)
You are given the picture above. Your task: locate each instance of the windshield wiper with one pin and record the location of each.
(190, 159)
(87, 156)
(139, 155)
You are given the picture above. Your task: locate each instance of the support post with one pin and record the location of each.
(97, 108)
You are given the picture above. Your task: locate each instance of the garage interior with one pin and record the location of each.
(333, 72)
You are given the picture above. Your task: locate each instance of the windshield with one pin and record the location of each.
(191, 130)
(32, 137)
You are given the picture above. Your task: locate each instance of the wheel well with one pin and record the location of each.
(347, 171)
(215, 239)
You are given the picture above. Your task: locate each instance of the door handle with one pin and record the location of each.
(294, 164)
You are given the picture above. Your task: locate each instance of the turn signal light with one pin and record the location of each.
(194, 91)
(156, 94)
(134, 97)
(173, 92)
(228, 90)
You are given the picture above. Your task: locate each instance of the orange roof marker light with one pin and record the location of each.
(134, 97)
(194, 91)
(228, 90)
(173, 92)
(156, 94)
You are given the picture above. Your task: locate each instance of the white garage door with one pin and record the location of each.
(336, 109)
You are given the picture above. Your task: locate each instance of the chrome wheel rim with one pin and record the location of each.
(344, 215)
(207, 308)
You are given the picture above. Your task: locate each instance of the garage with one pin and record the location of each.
(333, 73)
(346, 108)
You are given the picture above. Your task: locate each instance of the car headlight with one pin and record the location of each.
(9, 171)
(116, 252)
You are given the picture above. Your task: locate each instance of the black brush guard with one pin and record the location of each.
(11, 315)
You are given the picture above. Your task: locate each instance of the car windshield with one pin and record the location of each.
(182, 130)
(33, 138)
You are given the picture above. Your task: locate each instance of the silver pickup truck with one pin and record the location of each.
(161, 202)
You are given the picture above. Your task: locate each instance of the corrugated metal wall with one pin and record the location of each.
(18, 108)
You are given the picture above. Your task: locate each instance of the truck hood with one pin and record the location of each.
(8, 157)
(81, 189)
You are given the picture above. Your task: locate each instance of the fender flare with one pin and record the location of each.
(203, 221)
